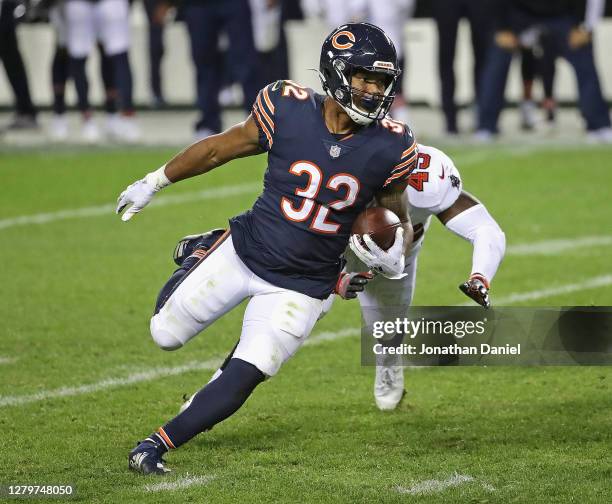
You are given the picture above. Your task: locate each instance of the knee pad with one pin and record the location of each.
(163, 335)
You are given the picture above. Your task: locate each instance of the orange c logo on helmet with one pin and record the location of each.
(346, 45)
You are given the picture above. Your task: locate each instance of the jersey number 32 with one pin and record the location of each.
(321, 221)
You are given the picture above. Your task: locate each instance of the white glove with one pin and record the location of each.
(141, 192)
(389, 263)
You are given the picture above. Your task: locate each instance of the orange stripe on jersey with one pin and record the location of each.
(163, 434)
(263, 112)
(408, 151)
(267, 99)
(347, 137)
(262, 125)
(404, 163)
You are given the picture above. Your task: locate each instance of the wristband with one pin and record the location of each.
(158, 179)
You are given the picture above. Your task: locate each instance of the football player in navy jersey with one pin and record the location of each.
(328, 157)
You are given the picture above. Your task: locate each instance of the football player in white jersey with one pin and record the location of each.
(434, 188)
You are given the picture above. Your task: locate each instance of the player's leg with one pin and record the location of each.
(242, 56)
(447, 14)
(81, 38)
(188, 251)
(276, 323)
(212, 287)
(203, 27)
(386, 300)
(590, 99)
(59, 74)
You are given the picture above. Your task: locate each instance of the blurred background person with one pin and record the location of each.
(107, 21)
(564, 20)
(25, 111)
(537, 62)
(157, 12)
(60, 73)
(447, 14)
(206, 20)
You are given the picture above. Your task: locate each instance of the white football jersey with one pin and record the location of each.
(433, 187)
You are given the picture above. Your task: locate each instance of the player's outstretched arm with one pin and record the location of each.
(469, 219)
(239, 141)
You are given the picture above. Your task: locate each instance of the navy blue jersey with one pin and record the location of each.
(315, 186)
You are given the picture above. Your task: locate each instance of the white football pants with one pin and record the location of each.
(105, 20)
(276, 322)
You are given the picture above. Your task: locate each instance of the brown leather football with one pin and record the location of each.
(380, 223)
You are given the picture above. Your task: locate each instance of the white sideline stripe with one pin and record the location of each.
(109, 209)
(591, 283)
(179, 484)
(143, 376)
(150, 375)
(435, 486)
(7, 360)
(553, 247)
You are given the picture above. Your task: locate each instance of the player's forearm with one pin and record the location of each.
(198, 158)
(488, 240)
(201, 157)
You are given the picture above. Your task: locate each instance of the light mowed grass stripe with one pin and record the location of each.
(148, 375)
(179, 484)
(109, 209)
(435, 486)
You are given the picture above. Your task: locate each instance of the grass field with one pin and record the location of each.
(81, 379)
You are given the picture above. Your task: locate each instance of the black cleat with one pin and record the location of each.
(188, 244)
(146, 458)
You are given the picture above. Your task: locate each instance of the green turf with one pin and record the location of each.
(77, 294)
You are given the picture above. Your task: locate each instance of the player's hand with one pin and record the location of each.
(389, 263)
(507, 40)
(349, 284)
(140, 193)
(578, 37)
(477, 288)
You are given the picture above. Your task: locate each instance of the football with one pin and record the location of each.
(380, 223)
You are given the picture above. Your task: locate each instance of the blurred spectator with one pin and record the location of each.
(538, 61)
(156, 10)
(270, 40)
(564, 21)
(206, 19)
(108, 22)
(25, 112)
(60, 71)
(447, 14)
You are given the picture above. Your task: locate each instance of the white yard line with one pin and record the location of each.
(435, 486)
(179, 484)
(149, 375)
(555, 247)
(107, 383)
(109, 209)
(7, 360)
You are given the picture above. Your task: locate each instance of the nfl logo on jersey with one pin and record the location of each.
(334, 151)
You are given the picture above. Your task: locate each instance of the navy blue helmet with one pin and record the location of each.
(348, 49)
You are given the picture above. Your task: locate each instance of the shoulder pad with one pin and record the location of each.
(435, 184)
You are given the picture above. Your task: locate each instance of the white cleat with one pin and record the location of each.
(389, 387)
(128, 129)
(58, 130)
(601, 135)
(90, 132)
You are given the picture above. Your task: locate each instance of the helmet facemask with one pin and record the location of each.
(362, 107)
